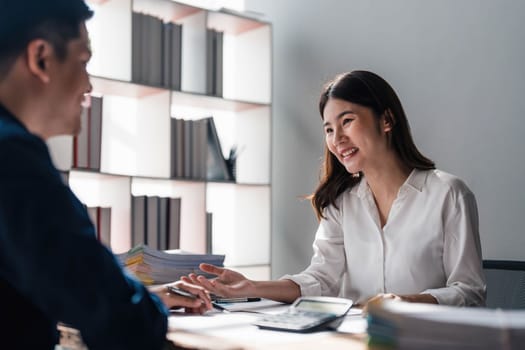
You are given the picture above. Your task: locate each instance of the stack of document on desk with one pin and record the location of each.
(152, 266)
(425, 326)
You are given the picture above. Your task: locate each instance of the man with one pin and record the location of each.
(52, 268)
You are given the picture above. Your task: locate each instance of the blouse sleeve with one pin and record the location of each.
(462, 261)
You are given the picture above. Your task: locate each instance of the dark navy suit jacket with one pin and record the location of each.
(52, 267)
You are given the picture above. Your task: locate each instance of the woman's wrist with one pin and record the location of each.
(419, 298)
(282, 290)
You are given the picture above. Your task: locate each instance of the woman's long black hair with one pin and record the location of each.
(370, 90)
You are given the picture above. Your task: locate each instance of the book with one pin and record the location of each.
(145, 56)
(80, 141)
(167, 32)
(427, 326)
(198, 148)
(210, 62)
(155, 51)
(176, 56)
(152, 222)
(136, 47)
(216, 165)
(95, 133)
(163, 223)
(180, 153)
(104, 226)
(101, 219)
(177, 145)
(214, 62)
(138, 220)
(93, 216)
(188, 149)
(209, 232)
(174, 206)
(219, 38)
(153, 266)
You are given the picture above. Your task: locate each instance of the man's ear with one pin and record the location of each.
(39, 53)
(388, 120)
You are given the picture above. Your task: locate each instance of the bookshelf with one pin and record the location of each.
(136, 147)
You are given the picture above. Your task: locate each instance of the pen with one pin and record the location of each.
(235, 300)
(181, 292)
(219, 307)
(178, 291)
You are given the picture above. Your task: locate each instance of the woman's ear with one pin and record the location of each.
(388, 120)
(38, 57)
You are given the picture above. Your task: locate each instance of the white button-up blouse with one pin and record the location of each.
(429, 244)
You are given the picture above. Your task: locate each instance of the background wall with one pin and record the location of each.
(458, 68)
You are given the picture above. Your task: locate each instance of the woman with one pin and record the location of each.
(391, 225)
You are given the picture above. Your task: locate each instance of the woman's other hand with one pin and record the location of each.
(228, 283)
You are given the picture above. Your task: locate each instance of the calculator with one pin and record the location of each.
(308, 314)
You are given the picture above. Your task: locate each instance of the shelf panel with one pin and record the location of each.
(232, 24)
(211, 102)
(167, 10)
(107, 191)
(135, 135)
(240, 223)
(107, 86)
(110, 36)
(61, 150)
(247, 65)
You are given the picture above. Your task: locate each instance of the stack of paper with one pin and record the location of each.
(425, 326)
(152, 266)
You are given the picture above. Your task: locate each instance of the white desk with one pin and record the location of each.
(233, 331)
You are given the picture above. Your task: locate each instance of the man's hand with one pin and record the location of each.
(200, 304)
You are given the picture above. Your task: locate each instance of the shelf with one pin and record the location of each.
(116, 87)
(169, 11)
(212, 102)
(108, 86)
(248, 130)
(136, 148)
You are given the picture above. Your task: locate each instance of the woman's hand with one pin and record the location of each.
(200, 304)
(227, 284)
(381, 296)
(411, 298)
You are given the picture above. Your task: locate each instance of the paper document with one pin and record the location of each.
(425, 326)
(264, 306)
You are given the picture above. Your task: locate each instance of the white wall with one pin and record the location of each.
(459, 69)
